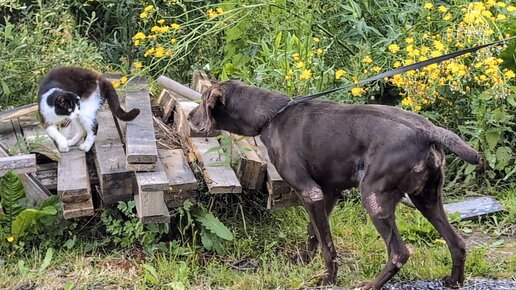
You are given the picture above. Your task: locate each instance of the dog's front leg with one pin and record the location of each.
(314, 203)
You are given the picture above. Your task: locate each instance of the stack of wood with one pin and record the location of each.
(251, 168)
(150, 180)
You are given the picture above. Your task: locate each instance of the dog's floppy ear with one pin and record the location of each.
(215, 94)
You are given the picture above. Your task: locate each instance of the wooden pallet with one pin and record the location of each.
(181, 181)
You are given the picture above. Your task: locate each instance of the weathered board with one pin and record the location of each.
(181, 181)
(78, 209)
(114, 179)
(219, 179)
(40, 142)
(73, 182)
(474, 208)
(280, 193)
(33, 187)
(16, 112)
(178, 88)
(47, 175)
(140, 136)
(200, 81)
(167, 102)
(250, 169)
(19, 163)
(149, 196)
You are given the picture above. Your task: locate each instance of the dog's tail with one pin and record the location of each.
(114, 104)
(455, 144)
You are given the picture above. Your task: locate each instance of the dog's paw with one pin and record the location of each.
(451, 282)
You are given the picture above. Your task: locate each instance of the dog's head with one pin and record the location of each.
(234, 107)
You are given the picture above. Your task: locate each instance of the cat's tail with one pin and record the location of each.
(114, 103)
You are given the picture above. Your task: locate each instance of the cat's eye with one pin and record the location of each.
(70, 110)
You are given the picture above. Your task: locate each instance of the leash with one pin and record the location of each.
(386, 74)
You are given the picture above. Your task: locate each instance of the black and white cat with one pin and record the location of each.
(76, 94)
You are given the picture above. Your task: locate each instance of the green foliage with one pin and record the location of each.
(38, 37)
(125, 229)
(11, 191)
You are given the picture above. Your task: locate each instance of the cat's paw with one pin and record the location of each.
(85, 146)
(64, 148)
(71, 142)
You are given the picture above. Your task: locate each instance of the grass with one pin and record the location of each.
(267, 243)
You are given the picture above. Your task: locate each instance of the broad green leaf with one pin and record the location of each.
(27, 217)
(212, 224)
(277, 41)
(492, 138)
(470, 168)
(206, 240)
(150, 274)
(503, 156)
(511, 99)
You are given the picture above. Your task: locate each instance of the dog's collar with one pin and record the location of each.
(286, 106)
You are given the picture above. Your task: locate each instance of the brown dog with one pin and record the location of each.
(321, 148)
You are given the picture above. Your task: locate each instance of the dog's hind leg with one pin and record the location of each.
(429, 202)
(381, 206)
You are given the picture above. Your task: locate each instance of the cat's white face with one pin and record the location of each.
(75, 113)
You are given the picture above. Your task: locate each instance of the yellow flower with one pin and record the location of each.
(439, 46)
(316, 39)
(10, 239)
(396, 64)
(511, 9)
(137, 65)
(149, 52)
(509, 74)
(212, 14)
(417, 108)
(376, 69)
(288, 78)
(116, 84)
(442, 8)
(406, 101)
(409, 40)
(219, 10)
(123, 80)
(428, 5)
(296, 56)
(148, 8)
(339, 74)
(306, 74)
(175, 26)
(394, 48)
(155, 29)
(447, 17)
(357, 91)
(300, 64)
(161, 21)
(160, 52)
(501, 4)
(436, 53)
(367, 59)
(144, 15)
(501, 17)
(139, 36)
(320, 51)
(136, 43)
(173, 41)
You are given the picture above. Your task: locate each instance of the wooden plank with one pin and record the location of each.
(38, 141)
(73, 183)
(151, 181)
(219, 179)
(33, 188)
(250, 169)
(181, 180)
(474, 208)
(178, 88)
(280, 193)
(78, 209)
(19, 163)
(200, 81)
(140, 135)
(16, 112)
(167, 102)
(115, 180)
(47, 175)
(151, 215)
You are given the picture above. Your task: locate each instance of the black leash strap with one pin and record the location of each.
(390, 73)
